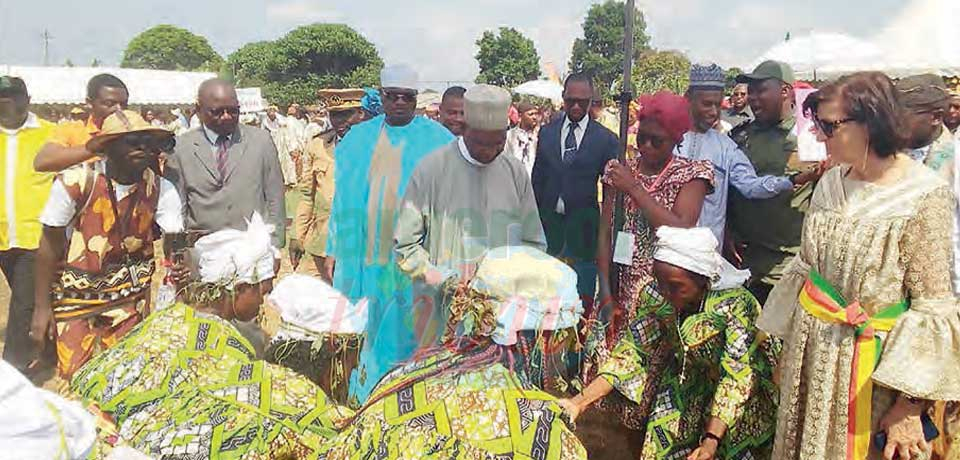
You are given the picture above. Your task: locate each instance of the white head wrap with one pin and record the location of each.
(37, 424)
(308, 305)
(536, 291)
(486, 107)
(695, 249)
(399, 76)
(234, 257)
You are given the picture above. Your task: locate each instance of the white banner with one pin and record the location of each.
(251, 100)
(808, 147)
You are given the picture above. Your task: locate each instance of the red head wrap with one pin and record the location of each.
(670, 111)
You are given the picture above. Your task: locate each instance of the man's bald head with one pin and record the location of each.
(215, 87)
(218, 107)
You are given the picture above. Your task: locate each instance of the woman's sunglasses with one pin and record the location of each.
(829, 128)
(656, 142)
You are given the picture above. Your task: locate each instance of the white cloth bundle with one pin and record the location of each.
(234, 257)
(309, 304)
(695, 249)
(37, 424)
(536, 291)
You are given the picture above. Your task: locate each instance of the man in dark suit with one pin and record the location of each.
(572, 152)
(225, 171)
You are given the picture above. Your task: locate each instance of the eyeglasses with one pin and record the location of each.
(397, 97)
(149, 142)
(220, 111)
(829, 128)
(654, 141)
(584, 103)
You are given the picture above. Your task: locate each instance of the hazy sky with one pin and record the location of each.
(436, 36)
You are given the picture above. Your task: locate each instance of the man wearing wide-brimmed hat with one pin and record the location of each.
(98, 227)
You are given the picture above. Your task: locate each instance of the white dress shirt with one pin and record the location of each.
(578, 135)
(212, 138)
(522, 144)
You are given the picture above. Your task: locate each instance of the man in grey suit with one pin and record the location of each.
(225, 171)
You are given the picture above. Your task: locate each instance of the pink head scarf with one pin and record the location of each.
(670, 111)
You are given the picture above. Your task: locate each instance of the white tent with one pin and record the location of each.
(427, 98)
(68, 85)
(547, 89)
(810, 53)
(923, 38)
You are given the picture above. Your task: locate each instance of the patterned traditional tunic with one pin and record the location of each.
(664, 188)
(710, 365)
(104, 287)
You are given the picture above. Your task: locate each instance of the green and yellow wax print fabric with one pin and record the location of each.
(712, 365)
(171, 348)
(482, 413)
(184, 384)
(261, 411)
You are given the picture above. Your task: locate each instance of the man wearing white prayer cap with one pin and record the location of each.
(462, 200)
(374, 161)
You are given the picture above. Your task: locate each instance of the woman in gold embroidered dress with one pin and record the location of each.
(874, 267)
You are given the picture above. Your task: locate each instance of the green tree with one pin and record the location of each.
(252, 63)
(731, 76)
(661, 70)
(308, 58)
(600, 51)
(507, 58)
(166, 47)
(69, 63)
(96, 62)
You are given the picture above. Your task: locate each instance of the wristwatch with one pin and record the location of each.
(709, 435)
(793, 177)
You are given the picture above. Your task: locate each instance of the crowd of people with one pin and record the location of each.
(487, 278)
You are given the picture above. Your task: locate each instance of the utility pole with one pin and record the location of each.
(46, 47)
(626, 95)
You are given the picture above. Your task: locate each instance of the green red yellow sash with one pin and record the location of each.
(823, 302)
